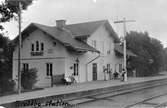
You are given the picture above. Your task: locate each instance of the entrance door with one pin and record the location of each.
(76, 71)
(94, 70)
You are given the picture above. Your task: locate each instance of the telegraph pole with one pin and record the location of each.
(18, 4)
(19, 52)
(124, 21)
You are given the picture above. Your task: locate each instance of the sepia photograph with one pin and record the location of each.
(83, 54)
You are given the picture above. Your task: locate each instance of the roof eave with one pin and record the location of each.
(127, 54)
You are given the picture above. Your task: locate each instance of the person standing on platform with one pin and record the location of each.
(123, 75)
(110, 74)
(105, 71)
(134, 73)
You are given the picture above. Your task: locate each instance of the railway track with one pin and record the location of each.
(123, 91)
(145, 101)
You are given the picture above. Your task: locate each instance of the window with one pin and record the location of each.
(120, 68)
(25, 66)
(108, 66)
(75, 69)
(94, 43)
(37, 49)
(83, 39)
(49, 69)
(108, 52)
(32, 47)
(42, 46)
(37, 46)
(103, 47)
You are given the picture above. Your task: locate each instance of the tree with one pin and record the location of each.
(5, 58)
(149, 51)
(29, 78)
(165, 59)
(10, 8)
(6, 84)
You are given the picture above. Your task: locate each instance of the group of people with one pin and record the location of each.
(109, 74)
(69, 80)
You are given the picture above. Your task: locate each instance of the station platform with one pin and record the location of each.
(77, 88)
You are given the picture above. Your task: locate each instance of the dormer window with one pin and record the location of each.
(83, 39)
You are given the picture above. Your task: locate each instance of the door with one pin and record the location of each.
(94, 70)
(49, 73)
(76, 72)
(120, 68)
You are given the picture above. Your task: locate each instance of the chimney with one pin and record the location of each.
(60, 23)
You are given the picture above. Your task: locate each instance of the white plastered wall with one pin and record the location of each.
(53, 53)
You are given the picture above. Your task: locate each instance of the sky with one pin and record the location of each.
(149, 15)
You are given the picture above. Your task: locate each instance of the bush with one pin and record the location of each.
(6, 86)
(28, 78)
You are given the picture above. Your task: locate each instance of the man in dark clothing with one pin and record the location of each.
(123, 75)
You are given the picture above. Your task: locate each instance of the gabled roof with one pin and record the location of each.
(88, 28)
(119, 49)
(62, 35)
(68, 34)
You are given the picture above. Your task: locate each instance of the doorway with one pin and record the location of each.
(94, 70)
